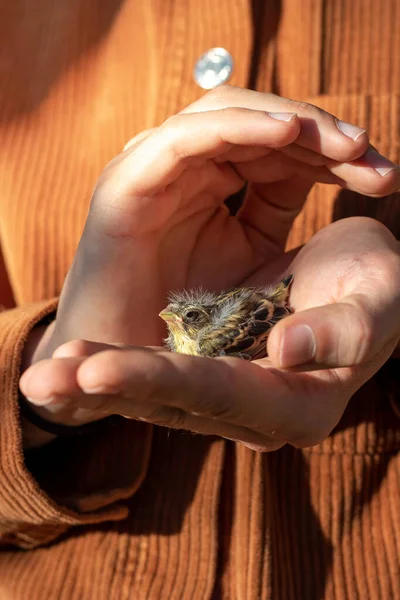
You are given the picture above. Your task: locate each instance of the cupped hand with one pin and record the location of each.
(346, 295)
(158, 219)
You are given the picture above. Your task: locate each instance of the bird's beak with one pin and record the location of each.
(166, 315)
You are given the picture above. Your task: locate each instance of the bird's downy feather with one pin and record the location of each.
(239, 320)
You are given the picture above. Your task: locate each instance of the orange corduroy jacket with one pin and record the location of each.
(134, 512)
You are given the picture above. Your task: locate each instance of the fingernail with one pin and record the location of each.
(29, 374)
(297, 346)
(99, 389)
(41, 401)
(380, 163)
(282, 116)
(350, 130)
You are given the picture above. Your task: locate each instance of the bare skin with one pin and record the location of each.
(158, 222)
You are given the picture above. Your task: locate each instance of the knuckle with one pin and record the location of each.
(176, 419)
(138, 139)
(112, 372)
(221, 91)
(172, 133)
(171, 128)
(224, 403)
(230, 113)
(74, 348)
(220, 410)
(304, 108)
(79, 347)
(167, 417)
(221, 402)
(309, 111)
(215, 406)
(171, 123)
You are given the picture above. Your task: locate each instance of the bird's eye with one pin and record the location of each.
(191, 316)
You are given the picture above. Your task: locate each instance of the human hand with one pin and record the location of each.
(345, 292)
(158, 220)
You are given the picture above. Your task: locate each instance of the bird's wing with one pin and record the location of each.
(278, 294)
(250, 340)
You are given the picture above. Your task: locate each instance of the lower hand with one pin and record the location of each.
(346, 295)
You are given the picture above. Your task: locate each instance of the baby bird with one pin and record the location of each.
(235, 323)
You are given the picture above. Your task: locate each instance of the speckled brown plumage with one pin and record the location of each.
(136, 512)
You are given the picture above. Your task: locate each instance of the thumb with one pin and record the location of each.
(332, 336)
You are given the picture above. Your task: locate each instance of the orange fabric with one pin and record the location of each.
(130, 513)
(6, 295)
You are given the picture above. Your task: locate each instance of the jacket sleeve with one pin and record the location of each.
(71, 481)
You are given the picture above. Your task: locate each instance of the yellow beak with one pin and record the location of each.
(166, 315)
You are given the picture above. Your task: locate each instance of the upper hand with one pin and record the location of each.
(158, 220)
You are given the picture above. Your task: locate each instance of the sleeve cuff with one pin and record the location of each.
(70, 481)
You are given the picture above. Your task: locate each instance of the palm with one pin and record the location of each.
(199, 242)
(179, 237)
(339, 266)
(202, 244)
(327, 274)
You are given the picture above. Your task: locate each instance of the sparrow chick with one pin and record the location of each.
(236, 322)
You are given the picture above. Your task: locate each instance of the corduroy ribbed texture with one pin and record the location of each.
(134, 513)
(28, 516)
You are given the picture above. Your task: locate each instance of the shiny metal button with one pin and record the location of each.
(213, 68)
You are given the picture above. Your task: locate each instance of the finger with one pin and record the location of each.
(278, 167)
(137, 139)
(372, 174)
(76, 348)
(280, 187)
(52, 387)
(321, 132)
(176, 418)
(229, 390)
(269, 210)
(49, 378)
(182, 138)
(86, 348)
(271, 206)
(368, 174)
(304, 155)
(345, 334)
(353, 306)
(54, 380)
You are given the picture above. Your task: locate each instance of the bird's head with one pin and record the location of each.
(186, 318)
